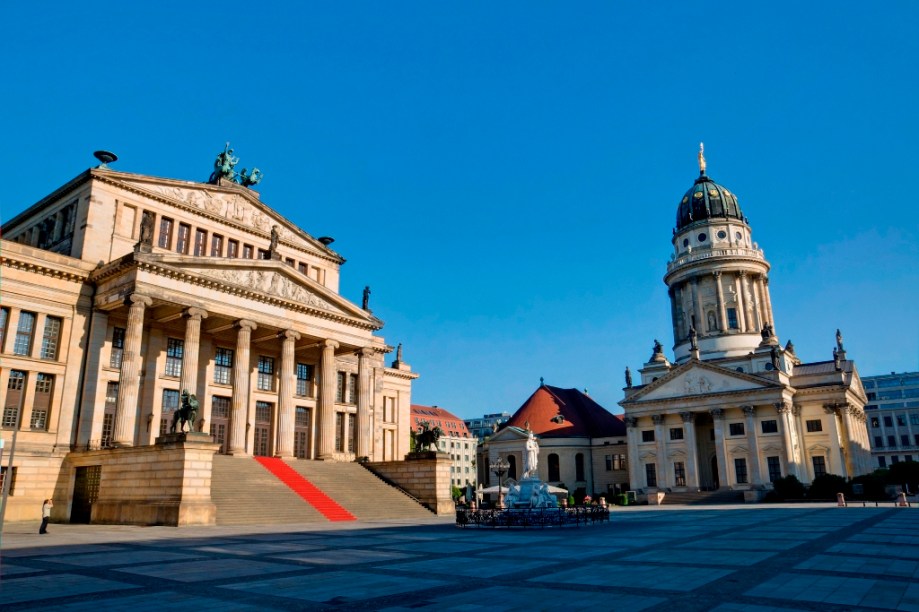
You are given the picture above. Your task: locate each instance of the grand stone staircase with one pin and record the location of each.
(703, 497)
(246, 493)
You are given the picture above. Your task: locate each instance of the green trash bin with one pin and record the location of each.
(623, 499)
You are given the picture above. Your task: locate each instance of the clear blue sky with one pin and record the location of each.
(505, 176)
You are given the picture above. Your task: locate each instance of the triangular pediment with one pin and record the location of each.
(235, 204)
(271, 279)
(509, 434)
(699, 378)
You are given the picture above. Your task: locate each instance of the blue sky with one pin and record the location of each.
(505, 176)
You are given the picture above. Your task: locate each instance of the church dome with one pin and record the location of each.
(707, 200)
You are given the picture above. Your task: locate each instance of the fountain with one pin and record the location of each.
(530, 491)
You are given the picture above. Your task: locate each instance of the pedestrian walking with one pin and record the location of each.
(46, 515)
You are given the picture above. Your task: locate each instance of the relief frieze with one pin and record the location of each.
(268, 282)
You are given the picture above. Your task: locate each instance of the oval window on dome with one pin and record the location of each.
(738, 235)
(713, 193)
(701, 237)
(726, 192)
(685, 242)
(697, 195)
(685, 199)
(722, 235)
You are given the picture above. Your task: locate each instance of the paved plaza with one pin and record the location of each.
(713, 558)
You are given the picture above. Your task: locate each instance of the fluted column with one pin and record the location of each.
(327, 400)
(719, 294)
(193, 317)
(239, 415)
(663, 471)
(768, 300)
(129, 381)
(756, 476)
(364, 430)
(757, 306)
(718, 420)
(741, 306)
(285, 446)
(635, 479)
(785, 428)
(697, 307)
(692, 453)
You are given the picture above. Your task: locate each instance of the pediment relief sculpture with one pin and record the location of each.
(269, 282)
(698, 381)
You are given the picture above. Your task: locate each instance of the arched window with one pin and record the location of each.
(579, 467)
(554, 471)
(512, 470)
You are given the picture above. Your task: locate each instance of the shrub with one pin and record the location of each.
(906, 473)
(827, 486)
(788, 487)
(872, 486)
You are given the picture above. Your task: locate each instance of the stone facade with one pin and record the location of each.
(425, 476)
(122, 290)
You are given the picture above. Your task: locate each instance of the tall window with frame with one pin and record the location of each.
(220, 414)
(340, 387)
(301, 432)
(4, 319)
(265, 373)
(13, 404)
(200, 243)
(350, 433)
(117, 347)
(223, 366)
(774, 465)
(184, 237)
(732, 318)
(108, 416)
(23, 342)
(262, 428)
(819, 466)
(232, 249)
(41, 405)
(248, 251)
(740, 470)
(175, 352)
(304, 379)
(165, 240)
(170, 405)
(352, 388)
(216, 245)
(651, 474)
(339, 432)
(679, 474)
(51, 338)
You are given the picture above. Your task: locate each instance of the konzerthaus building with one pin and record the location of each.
(120, 290)
(735, 410)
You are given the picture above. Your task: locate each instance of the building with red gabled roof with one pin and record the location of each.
(456, 441)
(582, 446)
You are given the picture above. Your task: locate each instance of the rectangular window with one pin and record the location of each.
(901, 420)
(732, 318)
(339, 431)
(263, 412)
(895, 459)
(108, 416)
(740, 470)
(50, 338)
(679, 473)
(609, 463)
(882, 462)
(23, 342)
(302, 416)
(165, 233)
(3, 473)
(352, 389)
(220, 407)
(44, 383)
(819, 466)
(263, 254)
(904, 439)
(175, 351)
(351, 433)
(247, 251)
(647, 435)
(651, 474)
(914, 418)
(775, 468)
(289, 261)
(770, 426)
(223, 366)
(340, 387)
(891, 441)
(878, 441)
(814, 425)
(875, 422)
(619, 462)
(304, 378)
(4, 319)
(265, 373)
(676, 433)
(216, 245)
(170, 405)
(916, 437)
(117, 347)
(183, 239)
(736, 429)
(232, 249)
(888, 421)
(200, 242)
(14, 392)
(303, 269)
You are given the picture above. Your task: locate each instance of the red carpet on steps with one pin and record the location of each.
(305, 489)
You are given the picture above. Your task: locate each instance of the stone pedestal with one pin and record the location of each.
(424, 475)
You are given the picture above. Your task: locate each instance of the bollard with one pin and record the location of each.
(902, 502)
(840, 500)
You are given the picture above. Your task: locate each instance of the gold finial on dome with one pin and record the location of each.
(701, 159)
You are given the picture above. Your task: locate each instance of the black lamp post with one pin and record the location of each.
(500, 468)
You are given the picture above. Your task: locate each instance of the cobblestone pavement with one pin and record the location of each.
(758, 558)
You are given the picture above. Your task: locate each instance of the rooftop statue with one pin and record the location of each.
(248, 179)
(224, 165)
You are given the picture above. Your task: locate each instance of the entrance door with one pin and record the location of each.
(85, 493)
(715, 472)
(262, 428)
(220, 418)
(301, 432)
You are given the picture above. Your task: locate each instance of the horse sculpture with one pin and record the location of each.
(426, 437)
(187, 414)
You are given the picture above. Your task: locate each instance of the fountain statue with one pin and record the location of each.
(530, 492)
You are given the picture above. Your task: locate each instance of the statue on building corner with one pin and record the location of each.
(365, 304)
(399, 352)
(693, 338)
(839, 340)
(146, 230)
(836, 361)
(767, 332)
(249, 179)
(628, 377)
(224, 166)
(774, 356)
(275, 238)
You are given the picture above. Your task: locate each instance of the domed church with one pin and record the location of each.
(735, 409)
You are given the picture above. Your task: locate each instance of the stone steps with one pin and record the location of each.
(703, 497)
(245, 493)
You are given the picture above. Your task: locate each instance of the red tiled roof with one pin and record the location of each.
(583, 416)
(451, 424)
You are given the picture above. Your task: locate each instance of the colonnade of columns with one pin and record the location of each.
(125, 426)
(752, 314)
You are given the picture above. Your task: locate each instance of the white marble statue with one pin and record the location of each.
(531, 456)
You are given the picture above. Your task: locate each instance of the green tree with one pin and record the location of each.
(826, 486)
(788, 487)
(904, 474)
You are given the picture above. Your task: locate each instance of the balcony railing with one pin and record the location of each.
(702, 253)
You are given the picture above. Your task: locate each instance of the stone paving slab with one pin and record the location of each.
(751, 558)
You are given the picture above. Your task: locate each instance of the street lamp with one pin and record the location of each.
(500, 467)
